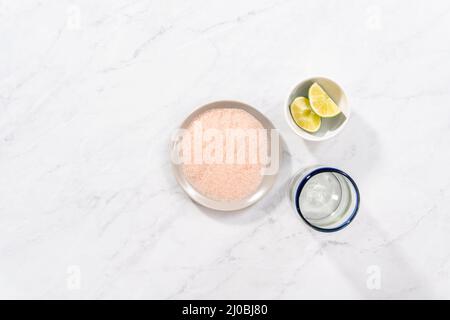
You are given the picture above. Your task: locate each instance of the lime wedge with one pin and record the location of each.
(321, 102)
(304, 116)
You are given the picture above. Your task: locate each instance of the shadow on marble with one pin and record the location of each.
(365, 245)
(267, 204)
(356, 148)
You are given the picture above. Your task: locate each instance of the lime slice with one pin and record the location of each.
(321, 102)
(304, 116)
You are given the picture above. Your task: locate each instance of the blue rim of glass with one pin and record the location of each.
(303, 183)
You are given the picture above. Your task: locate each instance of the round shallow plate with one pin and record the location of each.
(266, 183)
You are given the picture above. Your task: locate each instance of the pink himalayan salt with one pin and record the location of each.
(224, 181)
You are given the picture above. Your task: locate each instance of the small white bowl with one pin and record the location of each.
(330, 126)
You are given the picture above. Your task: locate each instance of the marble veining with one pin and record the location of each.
(91, 91)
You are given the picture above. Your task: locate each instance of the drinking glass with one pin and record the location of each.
(326, 198)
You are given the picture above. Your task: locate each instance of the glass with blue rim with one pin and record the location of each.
(326, 198)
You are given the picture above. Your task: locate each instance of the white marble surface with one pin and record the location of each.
(90, 92)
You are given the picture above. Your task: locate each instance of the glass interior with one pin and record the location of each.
(327, 200)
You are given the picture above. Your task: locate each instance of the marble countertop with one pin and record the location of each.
(90, 92)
